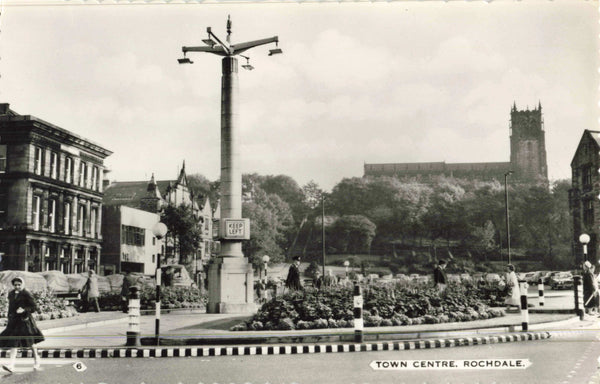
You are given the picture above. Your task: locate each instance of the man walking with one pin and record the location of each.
(439, 276)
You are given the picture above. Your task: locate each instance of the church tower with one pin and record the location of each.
(528, 145)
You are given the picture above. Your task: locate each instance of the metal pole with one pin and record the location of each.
(157, 313)
(507, 217)
(323, 230)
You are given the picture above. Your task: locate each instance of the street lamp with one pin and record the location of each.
(346, 264)
(233, 229)
(323, 229)
(584, 239)
(159, 231)
(265, 260)
(507, 214)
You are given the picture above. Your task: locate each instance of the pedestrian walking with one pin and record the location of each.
(329, 280)
(130, 280)
(21, 330)
(293, 281)
(91, 292)
(590, 288)
(439, 276)
(513, 297)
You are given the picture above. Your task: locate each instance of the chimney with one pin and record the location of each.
(4, 108)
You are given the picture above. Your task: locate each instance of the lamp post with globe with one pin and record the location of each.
(159, 231)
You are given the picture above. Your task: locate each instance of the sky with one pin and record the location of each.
(357, 82)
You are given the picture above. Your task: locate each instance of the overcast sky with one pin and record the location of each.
(366, 82)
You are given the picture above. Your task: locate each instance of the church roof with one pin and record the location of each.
(440, 166)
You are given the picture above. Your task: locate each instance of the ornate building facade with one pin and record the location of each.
(584, 195)
(527, 157)
(50, 196)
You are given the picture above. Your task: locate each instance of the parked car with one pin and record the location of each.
(561, 280)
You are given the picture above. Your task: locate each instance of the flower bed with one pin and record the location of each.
(49, 307)
(383, 306)
(171, 298)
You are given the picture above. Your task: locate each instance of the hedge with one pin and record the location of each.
(170, 297)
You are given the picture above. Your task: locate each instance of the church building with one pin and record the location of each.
(527, 157)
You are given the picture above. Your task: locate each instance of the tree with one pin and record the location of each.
(184, 228)
(352, 234)
(270, 221)
(204, 187)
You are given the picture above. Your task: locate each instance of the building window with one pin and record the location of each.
(153, 258)
(82, 174)
(52, 215)
(588, 212)
(67, 222)
(132, 235)
(80, 219)
(586, 177)
(38, 161)
(68, 170)
(95, 178)
(35, 212)
(54, 165)
(2, 158)
(93, 226)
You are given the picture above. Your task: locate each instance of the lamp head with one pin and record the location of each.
(275, 51)
(185, 60)
(159, 230)
(584, 238)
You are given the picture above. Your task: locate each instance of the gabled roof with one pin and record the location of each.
(595, 138)
(129, 193)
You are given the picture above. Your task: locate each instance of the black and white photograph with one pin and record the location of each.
(294, 192)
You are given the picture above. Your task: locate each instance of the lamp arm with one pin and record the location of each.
(217, 50)
(224, 45)
(241, 47)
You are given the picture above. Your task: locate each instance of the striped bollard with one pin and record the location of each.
(524, 310)
(578, 287)
(541, 292)
(358, 317)
(133, 334)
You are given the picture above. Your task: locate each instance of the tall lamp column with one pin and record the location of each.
(584, 239)
(507, 214)
(159, 231)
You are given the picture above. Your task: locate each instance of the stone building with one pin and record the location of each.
(150, 197)
(527, 157)
(50, 196)
(584, 194)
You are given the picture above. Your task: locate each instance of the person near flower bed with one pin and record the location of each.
(513, 297)
(130, 280)
(21, 330)
(293, 281)
(91, 292)
(329, 280)
(439, 276)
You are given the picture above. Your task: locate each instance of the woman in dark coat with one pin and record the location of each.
(21, 330)
(293, 278)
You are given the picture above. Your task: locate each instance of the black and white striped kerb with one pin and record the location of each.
(297, 349)
(358, 316)
(541, 292)
(524, 310)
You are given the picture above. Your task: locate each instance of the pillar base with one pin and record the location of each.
(231, 286)
(133, 339)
